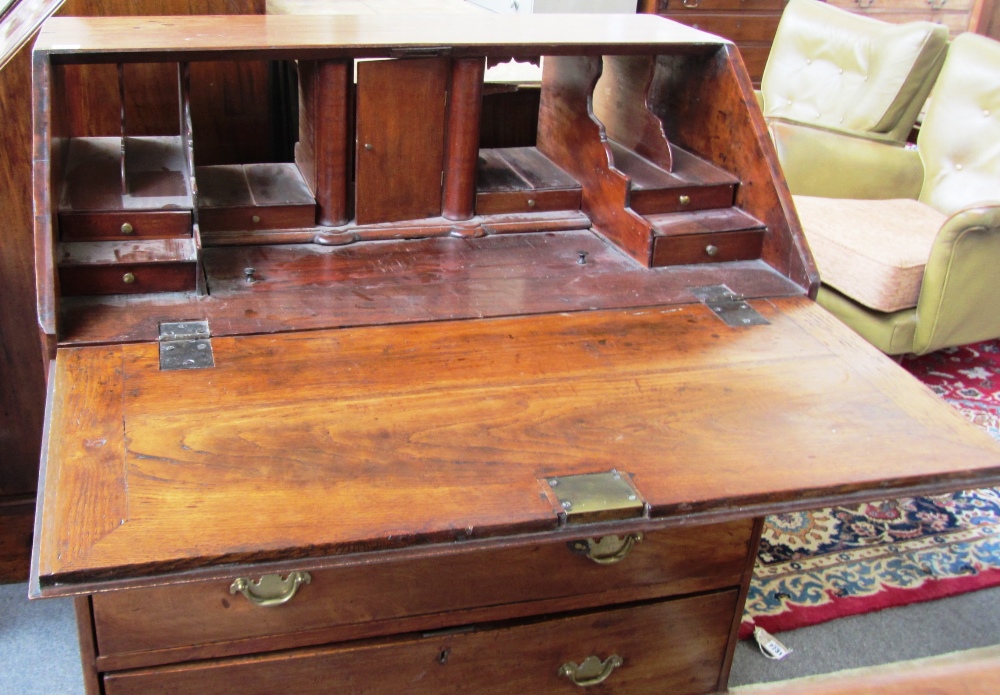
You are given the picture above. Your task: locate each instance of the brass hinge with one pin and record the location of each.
(185, 345)
(728, 306)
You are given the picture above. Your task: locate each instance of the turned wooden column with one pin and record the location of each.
(322, 153)
(462, 143)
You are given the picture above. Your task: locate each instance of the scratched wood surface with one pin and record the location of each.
(410, 436)
(310, 287)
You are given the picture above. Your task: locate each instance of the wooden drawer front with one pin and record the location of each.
(674, 647)
(919, 6)
(755, 59)
(257, 218)
(115, 226)
(342, 600)
(707, 248)
(738, 28)
(655, 201)
(111, 279)
(528, 201)
(665, 6)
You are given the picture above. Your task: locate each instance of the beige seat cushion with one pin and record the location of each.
(873, 251)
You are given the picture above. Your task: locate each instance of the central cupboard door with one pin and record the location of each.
(400, 145)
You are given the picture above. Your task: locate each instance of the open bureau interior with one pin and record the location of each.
(432, 403)
(645, 149)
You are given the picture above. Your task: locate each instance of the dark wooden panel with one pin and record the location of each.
(231, 129)
(620, 104)
(17, 521)
(22, 397)
(644, 637)
(510, 118)
(111, 226)
(680, 561)
(400, 139)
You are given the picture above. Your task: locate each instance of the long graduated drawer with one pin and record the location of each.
(674, 647)
(371, 598)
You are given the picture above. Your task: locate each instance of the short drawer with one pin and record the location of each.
(494, 203)
(675, 647)
(117, 226)
(128, 279)
(371, 599)
(708, 248)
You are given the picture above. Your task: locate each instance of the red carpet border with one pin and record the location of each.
(816, 566)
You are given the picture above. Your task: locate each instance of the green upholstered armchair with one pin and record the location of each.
(907, 240)
(852, 74)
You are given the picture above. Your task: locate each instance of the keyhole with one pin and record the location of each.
(443, 656)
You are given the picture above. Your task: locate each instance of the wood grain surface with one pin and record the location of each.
(519, 658)
(388, 437)
(505, 36)
(309, 287)
(372, 599)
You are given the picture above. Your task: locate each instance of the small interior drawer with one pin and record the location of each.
(708, 248)
(117, 226)
(128, 278)
(675, 647)
(371, 599)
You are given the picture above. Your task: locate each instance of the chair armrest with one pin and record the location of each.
(829, 164)
(960, 291)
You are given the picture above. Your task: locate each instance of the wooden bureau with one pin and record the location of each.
(429, 417)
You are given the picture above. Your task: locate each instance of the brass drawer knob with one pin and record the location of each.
(127, 228)
(711, 249)
(684, 200)
(606, 550)
(271, 589)
(592, 671)
(128, 278)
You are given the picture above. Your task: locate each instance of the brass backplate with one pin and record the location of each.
(596, 497)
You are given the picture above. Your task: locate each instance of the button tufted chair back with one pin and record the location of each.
(846, 72)
(959, 140)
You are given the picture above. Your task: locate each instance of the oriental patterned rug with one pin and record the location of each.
(830, 563)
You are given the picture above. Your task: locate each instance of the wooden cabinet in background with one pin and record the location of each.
(750, 24)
